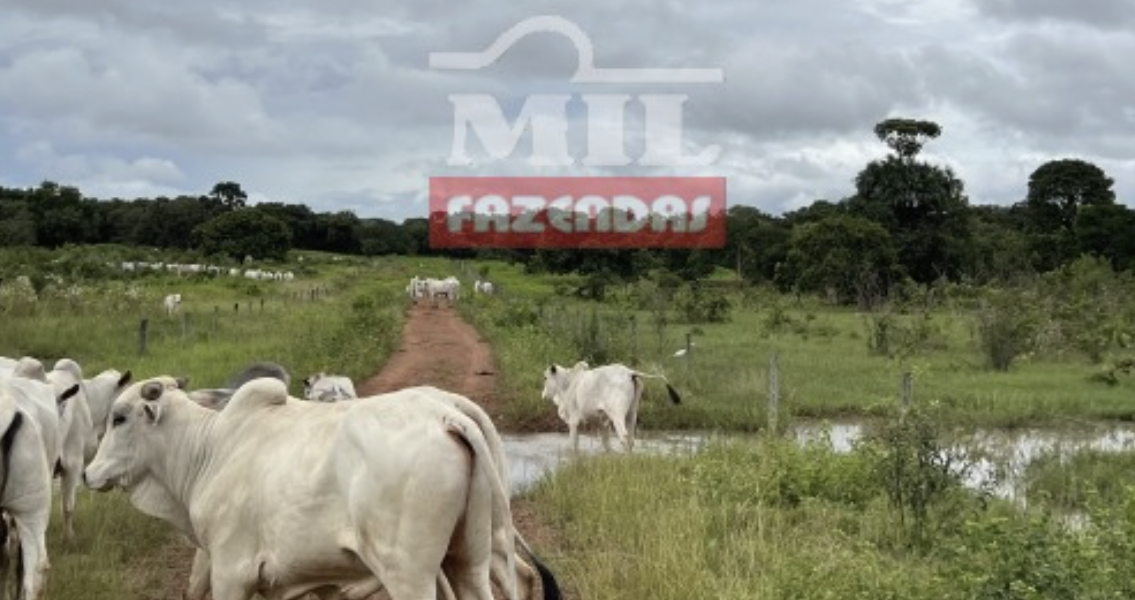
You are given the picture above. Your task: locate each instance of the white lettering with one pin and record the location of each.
(663, 124)
(544, 114)
(589, 213)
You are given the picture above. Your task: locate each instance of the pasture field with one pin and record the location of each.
(758, 517)
(348, 325)
(827, 367)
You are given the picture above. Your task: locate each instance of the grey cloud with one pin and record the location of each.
(1102, 14)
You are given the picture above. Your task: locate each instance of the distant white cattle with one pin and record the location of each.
(448, 288)
(30, 446)
(417, 289)
(482, 287)
(328, 388)
(612, 392)
(171, 303)
(395, 491)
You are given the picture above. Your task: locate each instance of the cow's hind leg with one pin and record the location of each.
(33, 550)
(69, 486)
(621, 431)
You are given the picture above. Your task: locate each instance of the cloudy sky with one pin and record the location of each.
(334, 103)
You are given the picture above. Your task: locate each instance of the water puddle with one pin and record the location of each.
(994, 459)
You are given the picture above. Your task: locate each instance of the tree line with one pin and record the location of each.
(906, 220)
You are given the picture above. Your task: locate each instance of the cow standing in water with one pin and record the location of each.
(612, 392)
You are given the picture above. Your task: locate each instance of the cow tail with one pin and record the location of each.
(674, 396)
(467, 429)
(547, 579)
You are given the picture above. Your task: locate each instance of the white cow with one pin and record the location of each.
(482, 287)
(101, 390)
(583, 394)
(79, 438)
(417, 289)
(448, 288)
(199, 576)
(285, 496)
(171, 303)
(328, 388)
(30, 444)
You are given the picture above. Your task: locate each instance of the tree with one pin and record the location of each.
(1107, 231)
(241, 233)
(906, 136)
(229, 194)
(850, 256)
(1058, 191)
(1059, 188)
(922, 206)
(756, 243)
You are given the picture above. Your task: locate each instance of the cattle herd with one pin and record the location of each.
(406, 491)
(199, 269)
(448, 289)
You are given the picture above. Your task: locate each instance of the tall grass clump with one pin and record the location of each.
(770, 518)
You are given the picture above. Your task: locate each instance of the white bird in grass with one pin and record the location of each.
(682, 352)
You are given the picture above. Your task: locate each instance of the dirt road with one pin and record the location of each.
(440, 349)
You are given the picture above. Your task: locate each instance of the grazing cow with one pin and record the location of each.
(482, 287)
(400, 491)
(613, 391)
(171, 303)
(30, 444)
(328, 388)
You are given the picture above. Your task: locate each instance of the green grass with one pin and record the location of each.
(1080, 480)
(763, 519)
(349, 328)
(826, 368)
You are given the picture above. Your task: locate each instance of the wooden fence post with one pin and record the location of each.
(773, 393)
(689, 356)
(906, 392)
(143, 329)
(634, 340)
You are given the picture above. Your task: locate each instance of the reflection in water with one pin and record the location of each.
(530, 456)
(998, 458)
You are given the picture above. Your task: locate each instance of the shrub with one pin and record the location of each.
(1006, 324)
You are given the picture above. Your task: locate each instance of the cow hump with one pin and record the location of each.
(264, 391)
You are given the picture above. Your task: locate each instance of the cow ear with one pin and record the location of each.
(125, 379)
(71, 391)
(153, 411)
(182, 382)
(552, 369)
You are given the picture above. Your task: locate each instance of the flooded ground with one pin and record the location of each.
(997, 458)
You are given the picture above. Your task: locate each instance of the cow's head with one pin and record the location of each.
(134, 435)
(309, 384)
